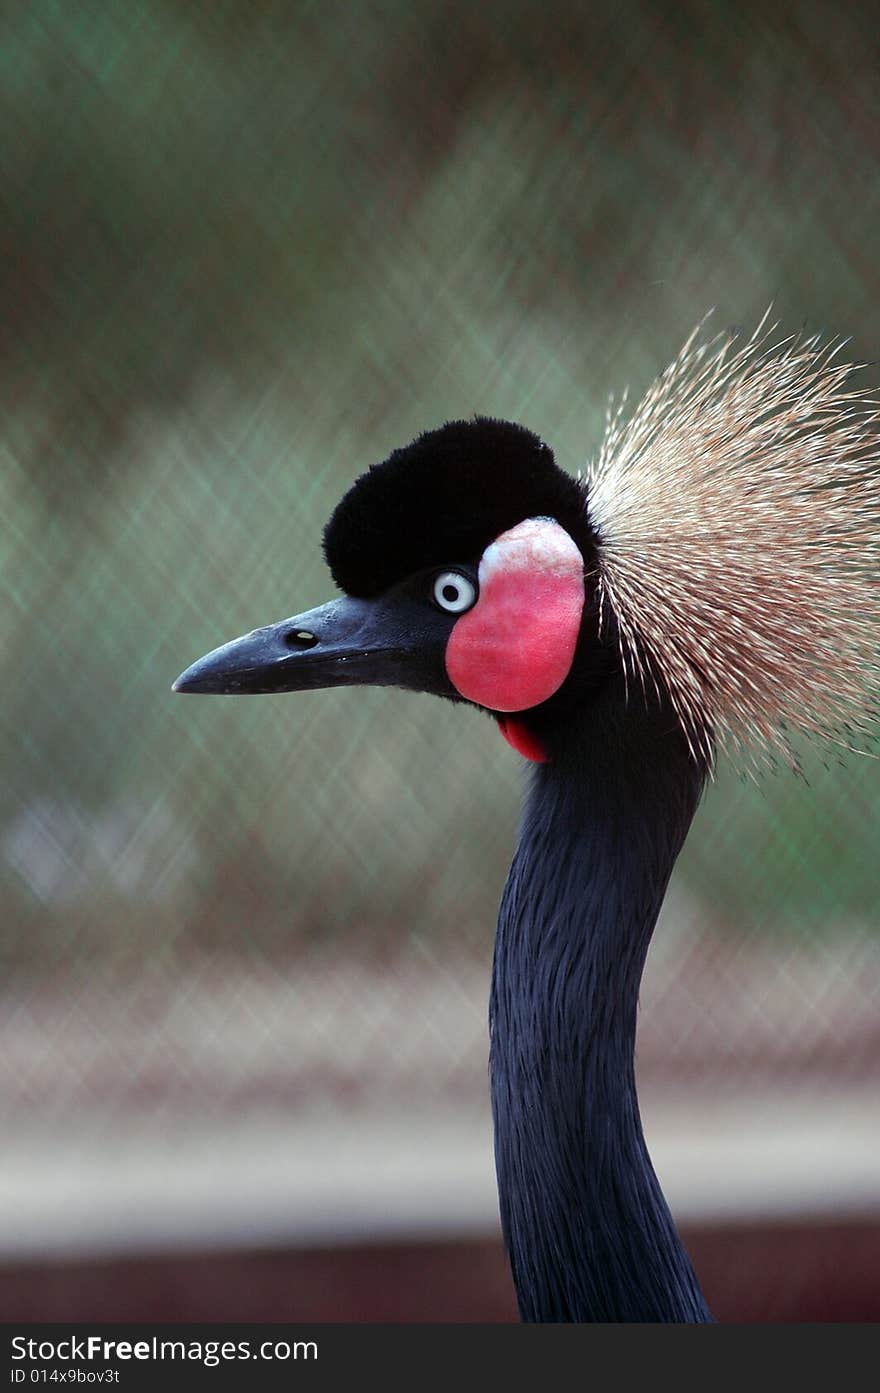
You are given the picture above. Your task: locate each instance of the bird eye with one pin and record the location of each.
(454, 592)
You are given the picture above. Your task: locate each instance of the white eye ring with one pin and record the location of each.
(454, 592)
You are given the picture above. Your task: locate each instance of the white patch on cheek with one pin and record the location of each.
(539, 545)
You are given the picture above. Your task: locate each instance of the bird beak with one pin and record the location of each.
(346, 642)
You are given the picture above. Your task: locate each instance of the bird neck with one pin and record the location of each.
(588, 1231)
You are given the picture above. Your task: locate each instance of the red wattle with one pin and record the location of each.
(523, 740)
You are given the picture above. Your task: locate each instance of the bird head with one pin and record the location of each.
(467, 564)
(720, 555)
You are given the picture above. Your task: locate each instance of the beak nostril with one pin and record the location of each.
(300, 638)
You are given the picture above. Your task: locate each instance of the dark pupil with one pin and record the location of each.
(450, 593)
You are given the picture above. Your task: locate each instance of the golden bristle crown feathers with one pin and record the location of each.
(738, 513)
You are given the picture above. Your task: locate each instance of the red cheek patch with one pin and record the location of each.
(514, 649)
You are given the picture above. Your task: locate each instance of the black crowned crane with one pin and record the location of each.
(709, 584)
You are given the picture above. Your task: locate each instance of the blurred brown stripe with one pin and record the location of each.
(783, 1273)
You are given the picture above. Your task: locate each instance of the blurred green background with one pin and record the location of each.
(245, 250)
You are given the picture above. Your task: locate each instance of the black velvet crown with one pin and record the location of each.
(443, 499)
